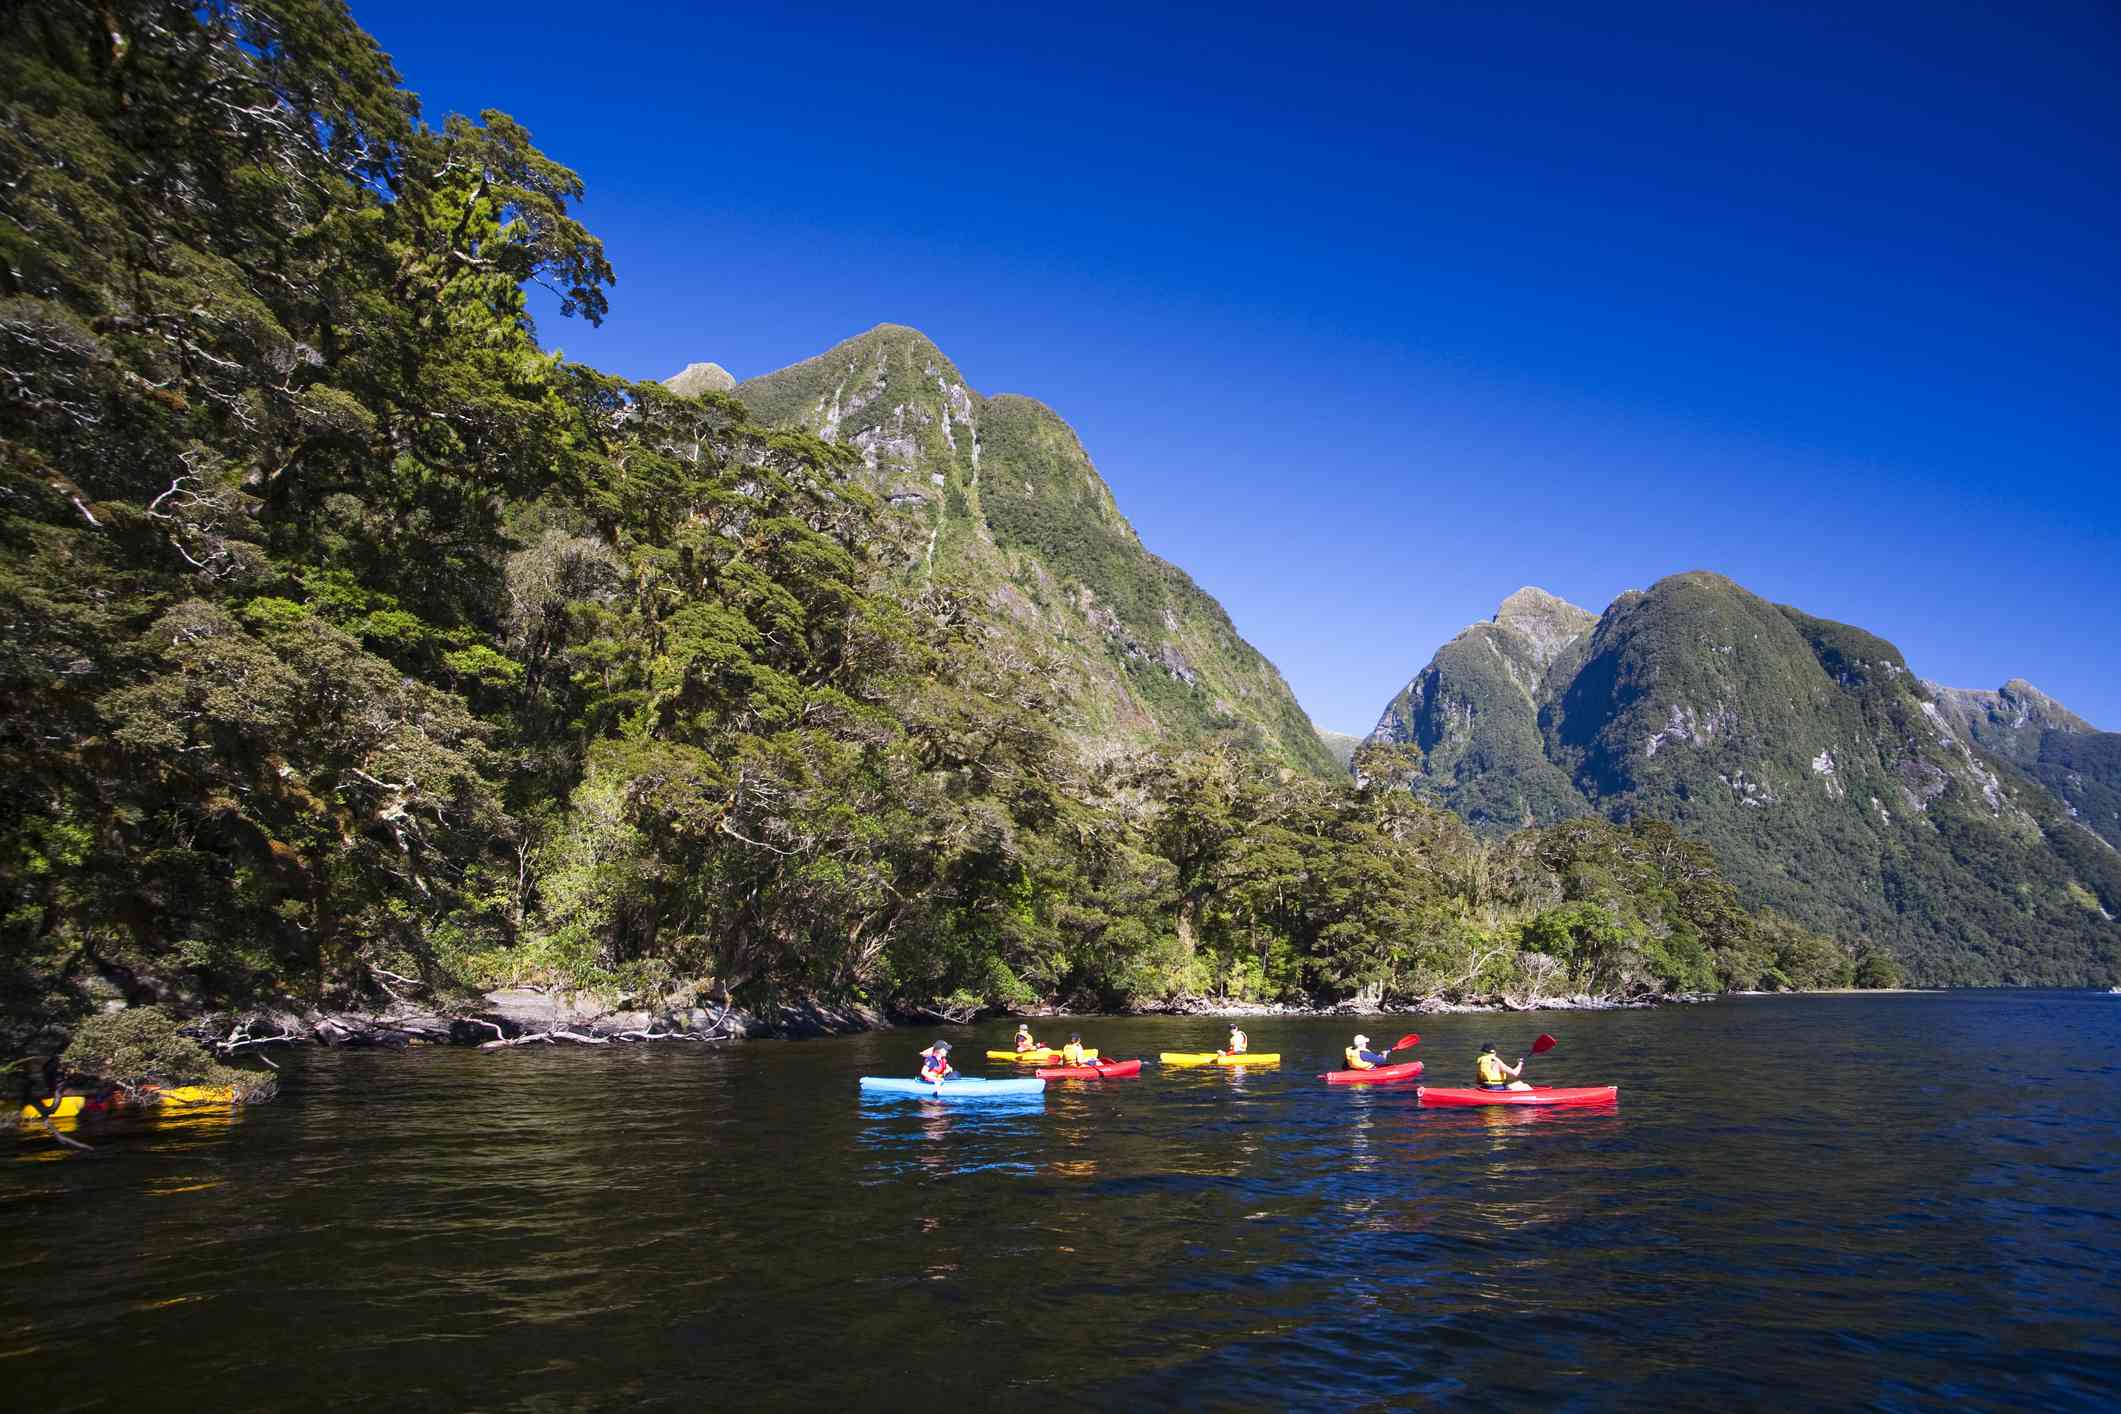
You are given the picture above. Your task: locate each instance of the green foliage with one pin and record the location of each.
(142, 1046)
(1875, 968)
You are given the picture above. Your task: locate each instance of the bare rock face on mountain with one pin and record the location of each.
(2047, 741)
(699, 378)
(1834, 784)
(999, 498)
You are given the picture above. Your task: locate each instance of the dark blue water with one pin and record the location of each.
(1899, 1202)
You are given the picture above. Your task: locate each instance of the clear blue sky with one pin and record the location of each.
(1372, 314)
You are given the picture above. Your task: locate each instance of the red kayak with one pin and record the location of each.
(1376, 1075)
(1103, 1070)
(1546, 1095)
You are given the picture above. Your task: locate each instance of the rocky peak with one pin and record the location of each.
(1546, 621)
(2009, 721)
(2034, 707)
(700, 378)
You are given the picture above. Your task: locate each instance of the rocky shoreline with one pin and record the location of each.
(521, 1016)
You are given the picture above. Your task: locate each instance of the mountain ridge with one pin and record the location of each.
(1835, 785)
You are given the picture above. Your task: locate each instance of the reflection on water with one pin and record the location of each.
(944, 1137)
(1792, 1205)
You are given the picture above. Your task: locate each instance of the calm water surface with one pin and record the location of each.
(1900, 1202)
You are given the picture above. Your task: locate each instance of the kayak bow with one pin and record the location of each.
(1377, 1075)
(1104, 1070)
(1551, 1095)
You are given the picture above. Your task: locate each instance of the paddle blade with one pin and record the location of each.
(1410, 1039)
(1541, 1046)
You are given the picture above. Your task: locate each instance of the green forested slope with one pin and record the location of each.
(1469, 722)
(1015, 515)
(362, 653)
(1829, 780)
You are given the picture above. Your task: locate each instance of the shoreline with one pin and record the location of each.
(520, 1016)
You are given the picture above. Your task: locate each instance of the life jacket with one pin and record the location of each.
(934, 1067)
(1072, 1053)
(1238, 1041)
(1356, 1061)
(1024, 1041)
(1491, 1071)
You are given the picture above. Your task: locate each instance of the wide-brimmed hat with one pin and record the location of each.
(1362, 1040)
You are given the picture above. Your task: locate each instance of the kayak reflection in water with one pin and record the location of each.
(1238, 1041)
(1072, 1053)
(935, 1063)
(1361, 1057)
(1024, 1041)
(1494, 1075)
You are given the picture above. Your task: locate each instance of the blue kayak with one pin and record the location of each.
(962, 1087)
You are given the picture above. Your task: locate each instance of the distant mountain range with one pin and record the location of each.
(1000, 500)
(1973, 833)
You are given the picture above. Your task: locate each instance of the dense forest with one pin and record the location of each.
(359, 648)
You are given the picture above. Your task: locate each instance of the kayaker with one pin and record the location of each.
(1238, 1041)
(935, 1063)
(1494, 1075)
(1361, 1057)
(1024, 1041)
(1072, 1053)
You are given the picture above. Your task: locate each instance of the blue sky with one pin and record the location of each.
(1372, 314)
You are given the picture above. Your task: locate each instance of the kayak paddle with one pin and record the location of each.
(1410, 1039)
(1544, 1044)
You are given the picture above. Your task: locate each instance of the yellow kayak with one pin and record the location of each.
(67, 1108)
(1044, 1055)
(196, 1095)
(1220, 1058)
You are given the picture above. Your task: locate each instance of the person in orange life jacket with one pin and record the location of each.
(1024, 1041)
(1072, 1053)
(935, 1063)
(1361, 1057)
(1238, 1041)
(1494, 1075)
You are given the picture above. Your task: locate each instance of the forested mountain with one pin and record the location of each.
(361, 653)
(1833, 784)
(1472, 716)
(1006, 504)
